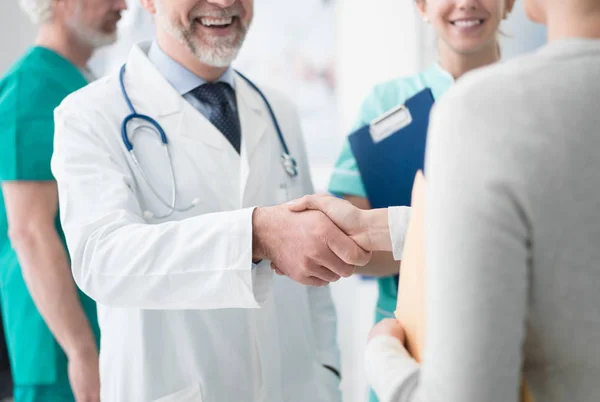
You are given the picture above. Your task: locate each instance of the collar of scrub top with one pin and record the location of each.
(88, 74)
(180, 78)
(438, 79)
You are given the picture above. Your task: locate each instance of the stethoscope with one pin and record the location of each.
(288, 162)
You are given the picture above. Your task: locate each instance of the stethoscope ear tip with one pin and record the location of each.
(148, 215)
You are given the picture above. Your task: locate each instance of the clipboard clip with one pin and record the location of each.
(389, 123)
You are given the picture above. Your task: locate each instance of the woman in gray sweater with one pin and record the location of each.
(513, 229)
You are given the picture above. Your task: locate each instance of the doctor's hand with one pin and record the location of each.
(84, 376)
(368, 228)
(307, 247)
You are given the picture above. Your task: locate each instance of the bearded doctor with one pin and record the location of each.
(160, 170)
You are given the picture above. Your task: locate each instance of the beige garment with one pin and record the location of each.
(410, 308)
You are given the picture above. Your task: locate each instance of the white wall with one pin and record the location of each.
(377, 41)
(520, 34)
(17, 33)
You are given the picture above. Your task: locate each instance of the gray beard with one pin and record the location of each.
(215, 52)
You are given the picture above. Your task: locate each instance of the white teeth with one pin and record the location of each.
(466, 23)
(209, 22)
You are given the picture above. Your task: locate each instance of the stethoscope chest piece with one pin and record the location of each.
(289, 164)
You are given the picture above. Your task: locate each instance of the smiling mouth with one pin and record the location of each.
(217, 23)
(467, 23)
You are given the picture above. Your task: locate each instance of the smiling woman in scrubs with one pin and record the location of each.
(51, 329)
(467, 33)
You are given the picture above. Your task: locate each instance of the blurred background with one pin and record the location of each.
(324, 55)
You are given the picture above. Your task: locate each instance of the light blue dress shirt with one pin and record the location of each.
(184, 81)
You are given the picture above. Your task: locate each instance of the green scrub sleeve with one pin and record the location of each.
(26, 136)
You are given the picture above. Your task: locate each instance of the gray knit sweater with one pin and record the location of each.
(513, 237)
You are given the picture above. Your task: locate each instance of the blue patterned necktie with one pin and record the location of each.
(221, 102)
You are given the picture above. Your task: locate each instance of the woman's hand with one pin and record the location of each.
(343, 214)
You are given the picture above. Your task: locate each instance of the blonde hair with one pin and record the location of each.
(39, 11)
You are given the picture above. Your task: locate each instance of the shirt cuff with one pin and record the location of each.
(262, 281)
(388, 366)
(398, 220)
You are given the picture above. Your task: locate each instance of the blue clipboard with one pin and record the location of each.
(391, 150)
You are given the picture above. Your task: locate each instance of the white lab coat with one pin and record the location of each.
(183, 315)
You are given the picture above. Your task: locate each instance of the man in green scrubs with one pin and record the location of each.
(51, 328)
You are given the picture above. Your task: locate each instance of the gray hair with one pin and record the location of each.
(39, 11)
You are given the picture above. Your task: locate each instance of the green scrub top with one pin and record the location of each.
(29, 93)
(346, 178)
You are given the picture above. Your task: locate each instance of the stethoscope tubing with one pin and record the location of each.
(288, 162)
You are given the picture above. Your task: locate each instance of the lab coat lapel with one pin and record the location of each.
(150, 92)
(196, 127)
(254, 122)
(254, 117)
(197, 130)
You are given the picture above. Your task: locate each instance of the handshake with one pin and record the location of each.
(318, 239)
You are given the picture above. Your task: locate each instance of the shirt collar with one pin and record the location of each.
(182, 79)
(437, 67)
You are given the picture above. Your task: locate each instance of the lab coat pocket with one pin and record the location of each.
(189, 394)
(288, 190)
(283, 193)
